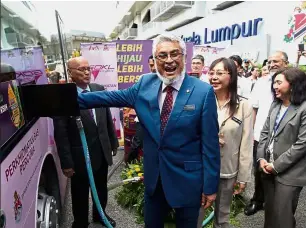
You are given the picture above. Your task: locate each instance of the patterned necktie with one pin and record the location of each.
(90, 110)
(167, 108)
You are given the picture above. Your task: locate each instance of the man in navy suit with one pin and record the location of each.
(178, 114)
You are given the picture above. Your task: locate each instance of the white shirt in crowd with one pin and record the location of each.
(249, 86)
(261, 98)
(243, 87)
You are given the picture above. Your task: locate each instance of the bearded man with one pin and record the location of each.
(178, 115)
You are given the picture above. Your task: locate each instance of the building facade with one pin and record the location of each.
(18, 24)
(251, 29)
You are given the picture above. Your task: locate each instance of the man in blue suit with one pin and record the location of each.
(178, 114)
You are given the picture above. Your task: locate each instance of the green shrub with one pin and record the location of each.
(131, 196)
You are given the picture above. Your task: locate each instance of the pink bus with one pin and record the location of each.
(32, 187)
(32, 184)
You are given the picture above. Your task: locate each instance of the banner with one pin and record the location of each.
(209, 54)
(132, 58)
(103, 62)
(28, 64)
(30, 68)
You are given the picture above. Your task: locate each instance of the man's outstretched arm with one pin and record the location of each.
(119, 98)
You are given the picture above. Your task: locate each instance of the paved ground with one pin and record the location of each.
(126, 219)
(256, 221)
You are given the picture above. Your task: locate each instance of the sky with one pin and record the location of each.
(77, 15)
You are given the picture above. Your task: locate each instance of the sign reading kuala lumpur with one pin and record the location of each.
(233, 32)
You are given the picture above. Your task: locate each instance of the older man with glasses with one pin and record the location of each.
(180, 135)
(102, 144)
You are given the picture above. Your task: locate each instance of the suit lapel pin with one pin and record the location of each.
(188, 91)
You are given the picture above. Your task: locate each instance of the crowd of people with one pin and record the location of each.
(202, 135)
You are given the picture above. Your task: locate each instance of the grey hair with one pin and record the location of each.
(168, 38)
(284, 54)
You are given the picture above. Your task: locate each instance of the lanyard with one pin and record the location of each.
(276, 126)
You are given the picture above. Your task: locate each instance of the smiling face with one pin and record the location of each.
(281, 87)
(276, 61)
(169, 59)
(219, 78)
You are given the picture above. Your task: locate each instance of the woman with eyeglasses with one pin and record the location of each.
(281, 151)
(235, 137)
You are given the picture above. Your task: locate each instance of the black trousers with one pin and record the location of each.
(80, 194)
(258, 196)
(137, 143)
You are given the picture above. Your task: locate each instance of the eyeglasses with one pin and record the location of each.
(82, 69)
(163, 56)
(218, 73)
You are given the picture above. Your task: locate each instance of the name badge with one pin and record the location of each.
(236, 120)
(189, 107)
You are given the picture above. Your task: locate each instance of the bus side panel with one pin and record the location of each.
(52, 148)
(20, 176)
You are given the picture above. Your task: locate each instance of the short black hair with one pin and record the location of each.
(253, 68)
(297, 81)
(54, 77)
(150, 57)
(284, 54)
(200, 57)
(237, 59)
(264, 62)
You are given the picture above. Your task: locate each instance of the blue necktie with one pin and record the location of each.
(90, 110)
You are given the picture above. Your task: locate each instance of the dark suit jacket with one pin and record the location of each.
(101, 138)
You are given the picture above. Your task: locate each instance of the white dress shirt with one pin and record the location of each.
(243, 87)
(250, 83)
(162, 93)
(80, 90)
(261, 98)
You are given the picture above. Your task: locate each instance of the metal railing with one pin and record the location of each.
(151, 25)
(161, 6)
(130, 32)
